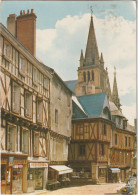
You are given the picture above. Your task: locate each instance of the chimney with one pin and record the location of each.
(11, 24)
(26, 30)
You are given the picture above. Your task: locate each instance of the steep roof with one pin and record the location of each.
(94, 104)
(71, 85)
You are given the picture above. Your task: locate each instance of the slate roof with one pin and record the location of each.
(92, 106)
(71, 85)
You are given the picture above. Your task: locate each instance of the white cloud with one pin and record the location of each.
(116, 38)
(130, 113)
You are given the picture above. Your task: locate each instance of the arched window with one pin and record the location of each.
(92, 76)
(88, 75)
(84, 76)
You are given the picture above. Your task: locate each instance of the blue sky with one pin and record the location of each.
(62, 30)
(49, 11)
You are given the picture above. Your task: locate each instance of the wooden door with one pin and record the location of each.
(9, 180)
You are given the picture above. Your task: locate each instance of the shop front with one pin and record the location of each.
(113, 175)
(58, 175)
(12, 170)
(36, 176)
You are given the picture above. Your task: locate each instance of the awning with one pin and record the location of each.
(62, 169)
(115, 170)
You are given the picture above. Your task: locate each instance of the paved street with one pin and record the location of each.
(102, 189)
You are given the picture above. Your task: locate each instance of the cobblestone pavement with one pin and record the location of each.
(101, 189)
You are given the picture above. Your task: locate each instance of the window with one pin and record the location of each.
(13, 55)
(101, 149)
(56, 116)
(12, 142)
(104, 129)
(16, 98)
(36, 143)
(22, 65)
(25, 141)
(126, 141)
(35, 75)
(84, 76)
(116, 139)
(82, 150)
(6, 50)
(28, 104)
(59, 91)
(92, 76)
(39, 110)
(45, 83)
(129, 141)
(88, 76)
(29, 73)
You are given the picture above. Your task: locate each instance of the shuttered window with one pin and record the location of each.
(39, 110)
(16, 98)
(28, 104)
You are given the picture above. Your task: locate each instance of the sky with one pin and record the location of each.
(62, 31)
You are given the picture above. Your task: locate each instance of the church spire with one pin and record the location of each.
(101, 59)
(91, 54)
(81, 58)
(115, 97)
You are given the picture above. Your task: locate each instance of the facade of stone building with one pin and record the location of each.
(60, 127)
(102, 142)
(32, 132)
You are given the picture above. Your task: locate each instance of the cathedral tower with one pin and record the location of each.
(92, 77)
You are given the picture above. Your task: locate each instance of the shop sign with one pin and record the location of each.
(38, 165)
(20, 161)
(11, 161)
(17, 166)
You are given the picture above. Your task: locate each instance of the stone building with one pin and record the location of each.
(102, 141)
(34, 125)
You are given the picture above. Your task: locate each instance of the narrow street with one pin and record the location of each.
(101, 189)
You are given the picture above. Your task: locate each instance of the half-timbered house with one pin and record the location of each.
(102, 141)
(24, 102)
